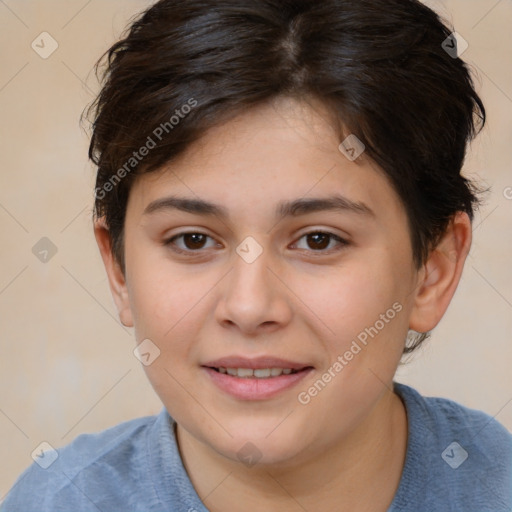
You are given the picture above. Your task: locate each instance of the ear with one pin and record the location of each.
(115, 275)
(441, 274)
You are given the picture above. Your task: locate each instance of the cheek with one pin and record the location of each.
(365, 322)
(363, 309)
(166, 312)
(162, 296)
(351, 297)
(170, 305)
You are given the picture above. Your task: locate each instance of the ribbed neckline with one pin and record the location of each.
(414, 479)
(172, 485)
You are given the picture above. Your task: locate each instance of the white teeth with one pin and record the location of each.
(259, 373)
(263, 372)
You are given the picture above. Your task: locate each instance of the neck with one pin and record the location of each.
(360, 472)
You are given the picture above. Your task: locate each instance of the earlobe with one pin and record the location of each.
(116, 278)
(441, 274)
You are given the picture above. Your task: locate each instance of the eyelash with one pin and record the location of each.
(341, 241)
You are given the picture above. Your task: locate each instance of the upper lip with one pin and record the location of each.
(255, 363)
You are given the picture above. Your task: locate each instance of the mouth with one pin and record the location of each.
(255, 379)
(257, 373)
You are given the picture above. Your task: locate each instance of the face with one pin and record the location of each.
(299, 268)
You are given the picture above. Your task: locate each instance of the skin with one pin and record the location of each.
(299, 300)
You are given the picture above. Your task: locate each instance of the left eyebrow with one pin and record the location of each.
(284, 209)
(332, 203)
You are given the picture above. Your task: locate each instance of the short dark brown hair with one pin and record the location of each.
(184, 66)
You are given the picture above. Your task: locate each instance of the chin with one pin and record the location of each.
(251, 447)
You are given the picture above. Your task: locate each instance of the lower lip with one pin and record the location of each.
(253, 388)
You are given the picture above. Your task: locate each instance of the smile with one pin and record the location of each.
(255, 383)
(259, 373)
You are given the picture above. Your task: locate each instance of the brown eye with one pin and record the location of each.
(319, 241)
(194, 240)
(190, 242)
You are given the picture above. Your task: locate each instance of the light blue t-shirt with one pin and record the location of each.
(458, 459)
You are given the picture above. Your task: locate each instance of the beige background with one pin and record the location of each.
(66, 364)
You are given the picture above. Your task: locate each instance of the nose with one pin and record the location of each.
(253, 299)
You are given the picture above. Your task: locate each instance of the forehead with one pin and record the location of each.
(264, 157)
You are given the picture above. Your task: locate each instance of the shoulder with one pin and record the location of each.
(91, 463)
(449, 418)
(457, 454)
